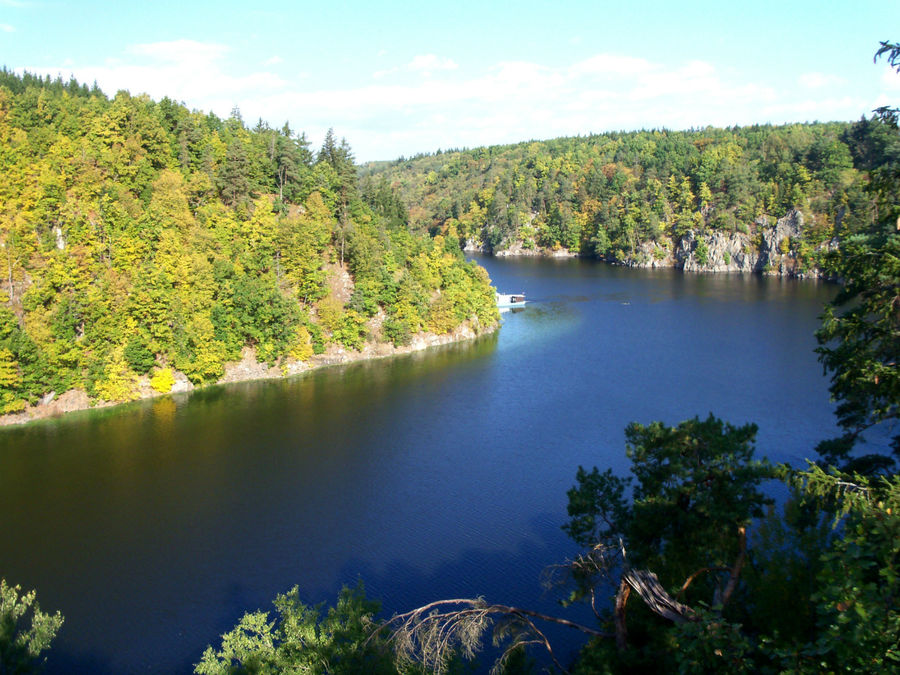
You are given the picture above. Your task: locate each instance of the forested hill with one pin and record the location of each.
(701, 199)
(142, 243)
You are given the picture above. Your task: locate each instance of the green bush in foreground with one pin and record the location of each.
(303, 639)
(25, 631)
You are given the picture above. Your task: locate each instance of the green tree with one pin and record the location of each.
(302, 244)
(303, 639)
(339, 158)
(263, 317)
(234, 179)
(855, 580)
(25, 631)
(291, 159)
(859, 341)
(858, 615)
(697, 491)
(860, 347)
(9, 383)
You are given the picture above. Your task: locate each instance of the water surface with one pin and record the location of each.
(154, 526)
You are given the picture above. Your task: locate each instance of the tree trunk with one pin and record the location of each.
(621, 628)
(736, 570)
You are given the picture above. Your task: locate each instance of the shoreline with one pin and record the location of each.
(245, 370)
(771, 250)
(813, 274)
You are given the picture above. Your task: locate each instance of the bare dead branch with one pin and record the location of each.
(541, 639)
(552, 619)
(594, 604)
(647, 585)
(600, 561)
(431, 634)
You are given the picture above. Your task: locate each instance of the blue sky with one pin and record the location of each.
(397, 78)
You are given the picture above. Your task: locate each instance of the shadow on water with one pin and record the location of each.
(513, 577)
(504, 577)
(500, 576)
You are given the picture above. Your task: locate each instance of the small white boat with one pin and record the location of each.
(510, 300)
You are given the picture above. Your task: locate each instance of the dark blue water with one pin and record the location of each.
(153, 527)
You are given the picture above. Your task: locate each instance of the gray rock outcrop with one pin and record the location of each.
(770, 250)
(777, 254)
(717, 252)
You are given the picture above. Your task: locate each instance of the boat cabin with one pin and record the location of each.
(510, 300)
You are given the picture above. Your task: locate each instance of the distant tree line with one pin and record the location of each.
(604, 195)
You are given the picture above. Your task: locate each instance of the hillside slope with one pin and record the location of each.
(760, 198)
(144, 245)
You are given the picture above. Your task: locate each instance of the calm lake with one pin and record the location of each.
(153, 527)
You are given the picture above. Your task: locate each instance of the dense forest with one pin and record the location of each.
(702, 199)
(144, 242)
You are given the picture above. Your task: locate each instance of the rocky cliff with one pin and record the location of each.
(778, 250)
(769, 249)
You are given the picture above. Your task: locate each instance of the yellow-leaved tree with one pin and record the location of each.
(9, 379)
(119, 383)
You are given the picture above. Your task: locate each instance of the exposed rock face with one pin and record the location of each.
(717, 252)
(517, 249)
(248, 368)
(340, 283)
(50, 406)
(652, 254)
(773, 250)
(765, 248)
(777, 255)
(182, 383)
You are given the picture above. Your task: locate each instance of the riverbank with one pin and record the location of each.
(764, 248)
(248, 368)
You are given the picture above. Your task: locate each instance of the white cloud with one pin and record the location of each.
(273, 61)
(820, 80)
(518, 100)
(431, 62)
(378, 74)
(820, 109)
(613, 65)
(184, 70)
(187, 52)
(6, 28)
(890, 78)
(424, 64)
